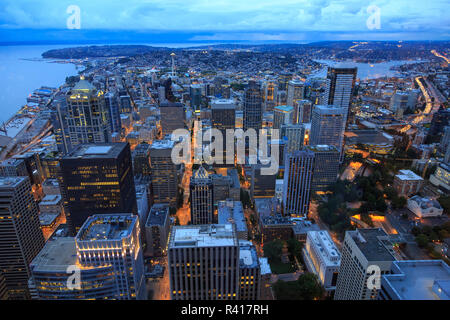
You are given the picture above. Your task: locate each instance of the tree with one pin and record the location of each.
(445, 203)
(422, 240)
(310, 287)
(398, 202)
(295, 247)
(273, 249)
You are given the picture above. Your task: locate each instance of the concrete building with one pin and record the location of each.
(172, 116)
(249, 272)
(441, 177)
(407, 183)
(201, 195)
(230, 211)
(297, 183)
(424, 207)
(326, 167)
(295, 91)
(21, 238)
(282, 115)
(196, 254)
(322, 258)
(141, 159)
(223, 114)
(301, 229)
(157, 230)
(327, 126)
(416, 280)
(364, 253)
(164, 172)
(252, 107)
(275, 227)
(295, 135)
(302, 111)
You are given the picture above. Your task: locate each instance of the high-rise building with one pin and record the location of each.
(261, 185)
(195, 92)
(223, 114)
(21, 238)
(114, 239)
(295, 91)
(399, 103)
(87, 116)
(125, 103)
(3, 290)
(282, 115)
(326, 167)
(97, 178)
(270, 95)
(172, 116)
(297, 182)
(164, 172)
(253, 107)
(13, 168)
(201, 193)
(229, 211)
(204, 262)
(141, 159)
(112, 105)
(365, 253)
(440, 120)
(322, 258)
(327, 126)
(60, 124)
(157, 230)
(249, 272)
(340, 83)
(295, 134)
(283, 80)
(302, 111)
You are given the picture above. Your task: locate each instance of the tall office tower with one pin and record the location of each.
(87, 116)
(282, 115)
(223, 114)
(283, 80)
(164, 172)
(59, 123)
(97, 179)
(125, 103)
(249, 272)
(172, 116)
(114, 239)
(295, 91)
(413, 95)
(364, 251)
(327, 126)
(399, 103)
(21, 237)
(297, 182)
(322, 258)
(440, 120)
(270, 95)
(112, 105)
(261, 185)
(195, 93)
(253, 107)
(157, 229)
(141, 159)
(201, 192)
(445, 140)
(326, 167)
(339, 90)
(302, 111)
(295, 134)
(204, 262)
(447, 155)
(13, 168)
(3, 291)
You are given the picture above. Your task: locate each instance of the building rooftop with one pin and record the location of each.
(211, 235)
(51, 199)
(232, 212)
(98, 150)
(265, 266)
(325, 247)
(425, 203)
(158, 214)
(283, 108)
(223, 104)
(56, 255)
(107, 227)
(407, 175)
(374, 244)
(47, 218)
(11, 182)
(322, 148)
(304, 226)
(248, 257)
(162, 144)
(419, 280)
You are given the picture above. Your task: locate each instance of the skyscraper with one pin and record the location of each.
(112, 105)
(295, 134)
(201, 192)
(282, 115)
(295, 91)
(141, 159)
(339, 90)
(157, 230)
(326, 167)
(195, 93)
(87, 116)
(253, 107)
(270, 95)
(204, 262)
(21, 238)
(223, 114)
(302, 111)
(297, 182)
(97, 179)
(164, 172)
(327, 126)
(172, 116)
(364, 251)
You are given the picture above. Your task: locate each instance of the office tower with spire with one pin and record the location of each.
(297, 182)
(21, 237)
(164, 172)
(97, 178)
(172, 117)
(327, 126)
(295, 91)
(340, 84)
(201, 193)
(364, 251)
(253, 107)
(87, 116)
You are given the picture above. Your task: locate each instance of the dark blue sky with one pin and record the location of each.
(223, 20)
